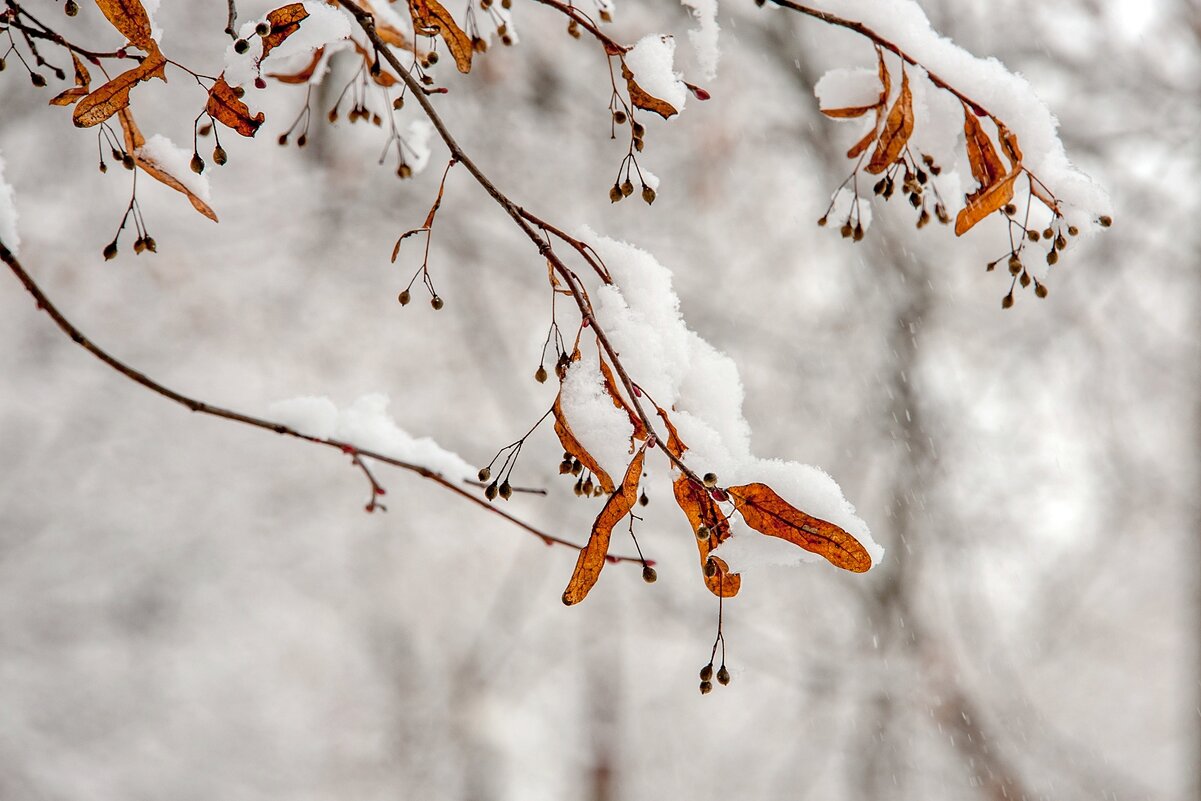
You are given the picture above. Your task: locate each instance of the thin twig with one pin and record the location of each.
(77, 336)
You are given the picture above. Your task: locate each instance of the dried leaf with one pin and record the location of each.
(701, 510)
(114, 95)
(984, 202)
(131, 19)
(619, 401)
(675, 445)
(572, 445)
(862, 145)
(82, 76)
(133, 135)
(885, 78)
(897, 129)
(850, 112)
(430, 17)
(284, 21)
(133, 144)
(305, 74)
(768, 513)
(227, 108)
(69, 96)
(986, 164)
(1009, 145)
(592, 556)
(643, 99)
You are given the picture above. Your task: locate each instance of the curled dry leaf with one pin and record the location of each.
(768, 513)
(643, 99)
(82, 76)
(303, 75)
(620, 402)
(996, 183)
(69, 96)
(981, 155)
(227, 108)
(572, 445)
(284, 22)
(114, 95)
(984, 202)
(131, 19)
(701, 510)
(675, 446)
(431, 17)
(133, 145)
(897, 129)
(592, 556)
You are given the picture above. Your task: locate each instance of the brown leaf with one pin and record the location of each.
(114, 95)
(849, 112)
(862, 145)
(643, 99)
(69, 96)
(133, 143)
(305, 74)
(701, 510)
(675, 445)
(572, 445)
(986, 164)
(768, 513)
(885, 78)
(284, 21)
(619, 401)
(1009, 145)
(131, 19)
(592, 556)
(430, 17)
(82, 76)
(227, 108)
(897, 129)
(983, 202)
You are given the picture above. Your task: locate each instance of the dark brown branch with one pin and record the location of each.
(585, 22)
(43, 31)
(367, 22)
(356, 453)
(232, 20)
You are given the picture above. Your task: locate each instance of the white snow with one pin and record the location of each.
(651, 62)
(176, 162)
(367, 425)
(704, 38)
(648, 177)
(417, 142)
(1004, 94)
(322, 27)
(701, 390)
(8, 214)
(847, 88)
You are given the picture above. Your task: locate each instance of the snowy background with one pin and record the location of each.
(191, 609)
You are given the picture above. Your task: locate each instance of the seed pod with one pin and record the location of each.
(638, 129)
(707, 672)
(710, 568)
(588, 485)
(506, 490)
(262, 29)
(241, 46)
(879, 187)
(627, 188)
(302, 140)
(923, 219)
(915, 199)
(649, 575)
(283, 139)
(404, 298)
(437, 303)
(103, 167)
(197, 164)
(1032, 235)
(619, 117)
(702, 532)
(858, 235)
(37, 79)
(432, 58)
(1010, 209)
(579, 487)
(723, 676)
(615, 194)
(648, 194)
(1007, 301)
(822, 220)
(259, 83)
(638, 143)
(1052, 256)
(706, 687)
(1015, 264)
(643, 500)
(846, 230)
(564, 467)
(1025, 279)
(1048, 233)
(710, 480)
(151, 245)
(573, 29)
(1061, 242)
(485, 473)
(220, 157)
(540, 374)
(71, 8)
(404, 171)
(576, 467)
(333, 114)
(127, 161)
(922, 177)
(1040, 289)
(1105, 221)
(491, 492)
(110, 250)
(1073, 230)
(138, 246)
(506, 40)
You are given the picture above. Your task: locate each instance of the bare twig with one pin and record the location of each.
(357, 454)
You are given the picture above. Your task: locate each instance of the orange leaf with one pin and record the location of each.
(69, 96)
(619, 401)
(986, 164)
(897, 129)
(82, 76)
(572, 445)
(984, 202)
(285, 21)
(768, 513)
(133, 136)
(227, 108)
(133, 144)
(701, 510)
(130, 18)
(114, 95)
(862, 145)
(885, 78)
(675, 445)
(592, 556)
(1009, 145)
(430, 17)
(643, 99)
(849, 112)
(304, 74)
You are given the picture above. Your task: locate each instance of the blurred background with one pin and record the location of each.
(191, 609)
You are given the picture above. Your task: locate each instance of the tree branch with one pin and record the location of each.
(356, 453)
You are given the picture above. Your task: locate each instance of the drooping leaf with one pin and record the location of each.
(304, 74)
(431, 17)
(885, 78)
(981, 155)
(284, 22)
(643, 99)
(984, 202)
(592, 556)
(862, 145)
(701, 510)
(69, 96)
(114, 95)
(131, 19)
(133, 145)
(572, 445)
(1009, 146)
(619, 401)
(675, 446)
(849, 112)
(897, 129)
(82, 76)
(768, 513)
(227, 108)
